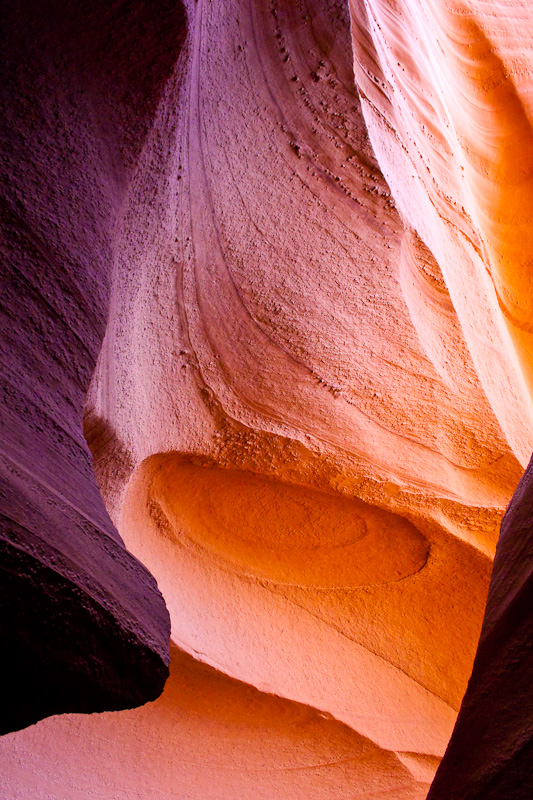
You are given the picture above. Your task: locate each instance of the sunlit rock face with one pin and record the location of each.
(446, 93)
(265, 383)
(311, 405)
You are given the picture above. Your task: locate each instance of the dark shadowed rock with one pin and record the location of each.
(490, 752)
(83, 625)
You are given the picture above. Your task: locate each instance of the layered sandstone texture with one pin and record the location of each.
(311, 404)
(446, 91)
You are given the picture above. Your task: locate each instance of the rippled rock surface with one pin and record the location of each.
(294, 310)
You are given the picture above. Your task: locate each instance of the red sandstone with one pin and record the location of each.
(294, 313)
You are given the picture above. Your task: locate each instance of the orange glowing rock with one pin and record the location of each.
(208, 737)
(446, 93)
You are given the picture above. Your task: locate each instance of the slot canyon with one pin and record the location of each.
(266, 515)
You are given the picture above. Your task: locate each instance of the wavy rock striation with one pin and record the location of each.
(273, 353)
(311, 403)
(446, 93)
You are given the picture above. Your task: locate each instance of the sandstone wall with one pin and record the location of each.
(305, 307)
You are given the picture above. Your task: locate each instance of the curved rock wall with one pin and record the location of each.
(446, 93)
(311, 404)
(207, 737)
(83, 625)
(264, 352)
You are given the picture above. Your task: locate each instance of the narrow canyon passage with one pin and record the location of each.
(268, 396)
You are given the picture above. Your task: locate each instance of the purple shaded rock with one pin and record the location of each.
(83, 625)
